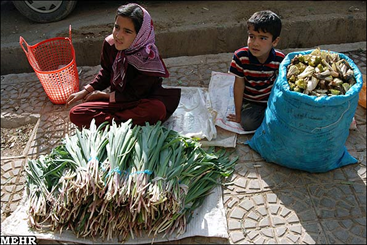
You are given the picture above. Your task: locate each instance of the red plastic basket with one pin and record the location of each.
(53, 61)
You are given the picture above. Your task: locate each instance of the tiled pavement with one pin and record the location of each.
(266, 204)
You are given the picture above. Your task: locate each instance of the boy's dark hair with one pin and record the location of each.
(132, 11)
(266, 21)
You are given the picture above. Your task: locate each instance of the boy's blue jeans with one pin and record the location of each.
(252, 115)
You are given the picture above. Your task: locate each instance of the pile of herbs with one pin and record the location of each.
(120, 180)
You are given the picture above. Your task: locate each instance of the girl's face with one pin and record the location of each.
(260, 43)
(123, 32)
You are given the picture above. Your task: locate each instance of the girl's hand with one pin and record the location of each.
(96, 95)
(75, 97)
(234, 118)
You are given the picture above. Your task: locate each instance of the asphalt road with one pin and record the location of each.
(13, 24)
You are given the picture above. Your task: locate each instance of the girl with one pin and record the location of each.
(133, 69)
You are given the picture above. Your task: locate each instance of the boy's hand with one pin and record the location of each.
(233, 118)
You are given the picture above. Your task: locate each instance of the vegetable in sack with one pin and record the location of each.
(320, 73)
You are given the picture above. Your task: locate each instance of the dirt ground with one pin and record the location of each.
(14, 140)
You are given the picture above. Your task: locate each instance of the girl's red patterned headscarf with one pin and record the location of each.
(142, 54)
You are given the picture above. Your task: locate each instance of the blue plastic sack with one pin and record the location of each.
(307, 132)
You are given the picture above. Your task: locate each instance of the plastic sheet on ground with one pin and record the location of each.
(195, 117)
(208, 220)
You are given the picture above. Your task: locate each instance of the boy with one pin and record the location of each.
(256, 68)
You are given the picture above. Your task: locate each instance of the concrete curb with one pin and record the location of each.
(226, 57)
(340, 48)
(297, 33)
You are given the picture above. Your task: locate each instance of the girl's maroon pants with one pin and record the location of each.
(145, 110)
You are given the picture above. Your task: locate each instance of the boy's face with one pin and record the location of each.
(260, 43)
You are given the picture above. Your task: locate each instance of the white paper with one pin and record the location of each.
(224, 138)
(222, 99)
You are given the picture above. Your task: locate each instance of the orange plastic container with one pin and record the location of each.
(362, 94)
(53, 61)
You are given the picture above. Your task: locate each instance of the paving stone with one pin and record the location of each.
(16, 171)
(253, 215)
(16, 198)
(341, 234)
(247, 204)
(234, 224)
(254, 186)
(259, 200)
(296, 229)
(226, 198)
(245, 154)
(308, 233)
(7, 175)
(18, 163)
(328, 177)
(285, 241)
(249, 183)
(19, 187)
(274, 209)
(360, 194)
(345, 204)
(293, 238)
(231, 203)
(261, 240)
(6, 167)
(276, 177)
(285, 212)
(240, 182)
(271, 198)
(262, 210)
(268, 232)
(252, 234)
(252, 175)
(5, 197)
(237, 213)
(356, 172)
(268, 203)
(308, 239)
(278, 221)
(237, 236)
(249, 224)
(245, 170)
(293, 218)
(356, 141)
(280, 231)
(294, 205)
(264, 222)
(360, 221)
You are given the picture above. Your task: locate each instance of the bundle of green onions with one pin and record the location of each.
(119, 180)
